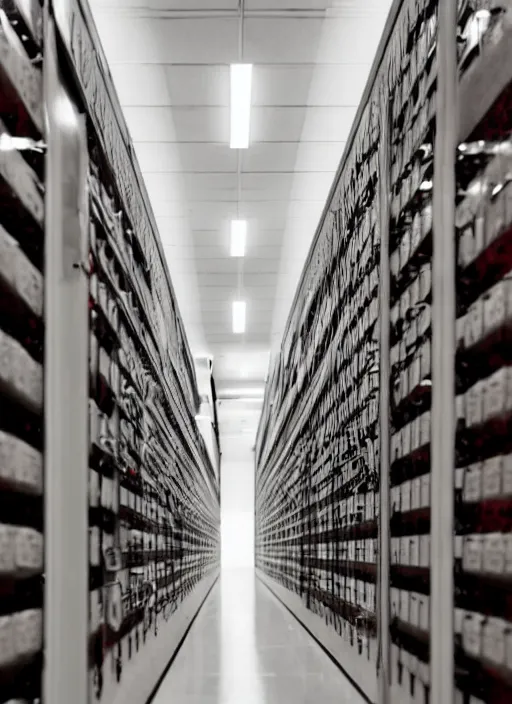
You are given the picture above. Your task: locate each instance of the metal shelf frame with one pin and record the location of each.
(453, 125)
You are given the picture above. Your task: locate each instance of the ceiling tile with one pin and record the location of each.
(292, 157)
(194, 4)
(263, 238)
(229, 291)
(257, 305)
(200, 124)
(182, 158)
(250, 337)
(198, 85)
(309, 85)
(256, 318)
(282, 41)
(288, 4)
(178, 124)
(169, 41)
(222, 250)
(229, 266)
(161, 85)
(290, 124)
(140, 84)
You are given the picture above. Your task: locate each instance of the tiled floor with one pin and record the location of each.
(245, 648)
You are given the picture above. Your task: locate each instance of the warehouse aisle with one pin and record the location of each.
(245, 648)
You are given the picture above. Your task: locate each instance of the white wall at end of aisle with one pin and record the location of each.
(238, 422)
(237, 539)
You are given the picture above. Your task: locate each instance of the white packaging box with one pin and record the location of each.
(405, 497)
(425, 550)
(405, 605)
(29, 551)
(20, 372)
(492, 472)
(28, 631)
(493, 553)
(414, 551)
(21, 273)
(495, 394)
(395, 601)
(7, 645)
(493, 640)
(94, 546)
(474, 404)
(414, 615)
(416, 494)
(425, 428)
(396, 499)
(474, 323)
(20, 465)
(472, 553)
(507, 475)
(425, 491)
(371, 597)
(94, 488)
(395, 551)
(507, 538)
(415, 434)
(472, 488)
(106, 492)
(424, 609)
(7, 549)
(405, 550)
(406, 440)
(424, 672)
(508, 647)
(472, 634)
(370, 550)
(370, 506)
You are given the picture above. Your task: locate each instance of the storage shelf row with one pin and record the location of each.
(360, 400)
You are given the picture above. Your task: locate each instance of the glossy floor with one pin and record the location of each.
(246, 648)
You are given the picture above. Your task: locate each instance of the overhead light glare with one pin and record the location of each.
(238, 237)
(241, 88)
(256, 392)
(238, 317)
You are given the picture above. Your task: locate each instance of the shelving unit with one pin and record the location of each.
(97, 388)
(22, 339)
(482, 584)
(355, 508)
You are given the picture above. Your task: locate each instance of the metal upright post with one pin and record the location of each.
(66, 628)
(384, 428)
(443, 361)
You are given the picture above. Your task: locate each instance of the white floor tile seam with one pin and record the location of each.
(245, 646)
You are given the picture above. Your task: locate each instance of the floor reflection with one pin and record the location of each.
(245, 648)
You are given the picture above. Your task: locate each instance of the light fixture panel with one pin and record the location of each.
(239, 317)
(238, 237)
(241, 89)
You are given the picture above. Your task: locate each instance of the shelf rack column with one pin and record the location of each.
(66, 390)
(443, 351)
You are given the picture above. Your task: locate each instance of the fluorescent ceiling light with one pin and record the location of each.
(241, 83)
(238, 237)
(255, 392)
(238, 317)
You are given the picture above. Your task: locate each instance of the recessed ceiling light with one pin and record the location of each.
(241, 87)
(238, 237)
(238, 317)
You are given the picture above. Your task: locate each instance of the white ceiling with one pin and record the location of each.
(170, 63)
